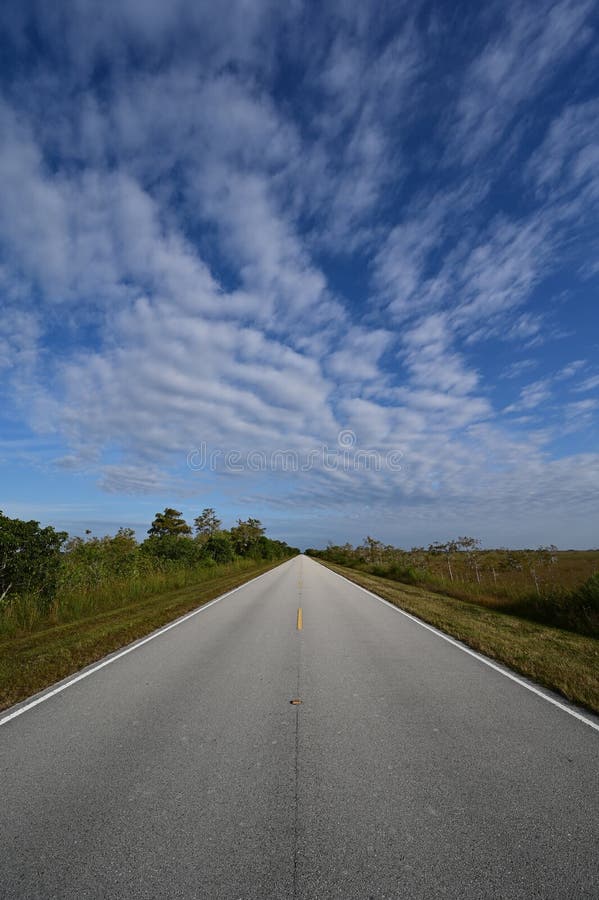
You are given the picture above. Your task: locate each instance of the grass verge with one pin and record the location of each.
(560, 660)
(31, 662)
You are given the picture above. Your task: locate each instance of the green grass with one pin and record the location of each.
(560, 660)
(78, 599)
(32, 660)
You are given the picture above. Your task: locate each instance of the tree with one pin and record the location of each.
(448, 549)
(246, 534)
(206, 523)
(417, 558)
(542, 556)
(374, 549)
(470, 546)
(29, 558)
(169, 522)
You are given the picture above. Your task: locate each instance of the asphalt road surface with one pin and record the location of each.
(410, 769)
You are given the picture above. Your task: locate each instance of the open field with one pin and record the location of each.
(558, 659)
(31, 661)
(546, 585)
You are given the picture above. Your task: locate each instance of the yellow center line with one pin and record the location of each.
(300, 619)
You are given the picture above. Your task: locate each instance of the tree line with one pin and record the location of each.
(171, 537)
(38, 561)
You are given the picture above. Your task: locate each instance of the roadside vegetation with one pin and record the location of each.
(541, 619)
(546, 585)
(65, 602)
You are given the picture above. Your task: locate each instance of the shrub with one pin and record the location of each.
(586, 602)
(397, 572)
(173, 548)
(587, 595)
(29, 559)
(219, 548)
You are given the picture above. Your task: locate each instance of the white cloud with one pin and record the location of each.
(580, 416)
(532, 396)
(571, 369)
(518, 368)
(513, 67)
(589, 384)
(357, 358)
(366, 92)
(166, 245)
(567, 159)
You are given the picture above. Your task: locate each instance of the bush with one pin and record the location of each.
(587, 595)
(29, 560)
(397, 572)
(219, 548)
(585, 601)
(172, 548)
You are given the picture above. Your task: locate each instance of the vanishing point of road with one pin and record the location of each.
(410, 769)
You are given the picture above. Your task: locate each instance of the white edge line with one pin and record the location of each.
(479, 656)
(134, 646)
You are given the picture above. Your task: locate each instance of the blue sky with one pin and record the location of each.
(281, 227)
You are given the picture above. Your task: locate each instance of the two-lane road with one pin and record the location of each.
(411, 769)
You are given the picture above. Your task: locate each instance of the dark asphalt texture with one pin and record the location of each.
(410, 770)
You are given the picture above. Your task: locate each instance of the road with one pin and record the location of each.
(410, 769)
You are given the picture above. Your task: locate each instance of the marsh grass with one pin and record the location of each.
(560, 589)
